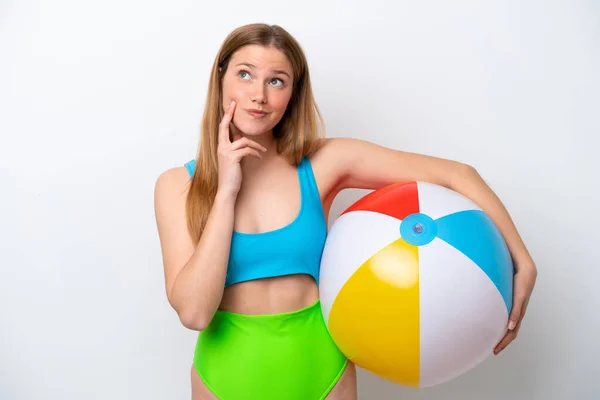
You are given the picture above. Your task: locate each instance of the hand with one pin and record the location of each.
(524, 281)
(230, 153)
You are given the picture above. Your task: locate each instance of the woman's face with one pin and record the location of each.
(258, 78)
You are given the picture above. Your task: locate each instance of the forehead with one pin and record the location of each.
(263, 57)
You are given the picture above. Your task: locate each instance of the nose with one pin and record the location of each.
(259, 95)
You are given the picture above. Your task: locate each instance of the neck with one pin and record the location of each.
(265, 139)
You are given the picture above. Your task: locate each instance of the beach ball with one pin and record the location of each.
(415, 284)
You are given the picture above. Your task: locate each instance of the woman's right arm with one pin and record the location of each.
(194, 274)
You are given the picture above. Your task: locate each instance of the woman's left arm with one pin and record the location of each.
(362, 164)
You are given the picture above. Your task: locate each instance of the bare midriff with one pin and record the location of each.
(270, 295)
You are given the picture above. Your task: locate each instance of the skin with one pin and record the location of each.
(258, 207)
(258, 78)
(341, 163)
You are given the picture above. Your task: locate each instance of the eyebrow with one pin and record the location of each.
(277, 71)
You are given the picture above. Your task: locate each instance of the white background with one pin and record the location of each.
(98, 98)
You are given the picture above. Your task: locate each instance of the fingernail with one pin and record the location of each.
(511, 325)
(232, 103)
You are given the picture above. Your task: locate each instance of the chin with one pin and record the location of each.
(252, 128)
(250, 131)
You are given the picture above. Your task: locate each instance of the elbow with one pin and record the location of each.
(194, 320)
(466, 169)
(462, 173)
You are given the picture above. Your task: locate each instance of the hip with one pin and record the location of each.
(289, 355)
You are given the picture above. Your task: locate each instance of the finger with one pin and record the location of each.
(507, 339)
(241, 153)
(224, 125)
(245, 142)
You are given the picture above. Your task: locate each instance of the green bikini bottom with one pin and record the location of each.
(269, 356)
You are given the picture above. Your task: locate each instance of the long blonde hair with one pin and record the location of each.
(298, 134)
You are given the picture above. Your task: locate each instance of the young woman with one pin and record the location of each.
(242, 226)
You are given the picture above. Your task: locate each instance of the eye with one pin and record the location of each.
(277, 79)
(244, 74)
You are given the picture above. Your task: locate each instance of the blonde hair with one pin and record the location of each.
(298, 133)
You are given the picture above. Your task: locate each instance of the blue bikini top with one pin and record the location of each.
(293, 249)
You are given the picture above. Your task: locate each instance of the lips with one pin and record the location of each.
(256, 113)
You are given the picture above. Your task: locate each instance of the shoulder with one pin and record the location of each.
(340, 146)
(331, 162)
(171, 185)
(336, 153)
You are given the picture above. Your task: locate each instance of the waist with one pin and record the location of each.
(270, 295)
(270, 355)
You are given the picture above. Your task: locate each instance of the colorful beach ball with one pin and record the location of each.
(415, 284)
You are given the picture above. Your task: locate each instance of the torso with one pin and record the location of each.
(268, 200)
